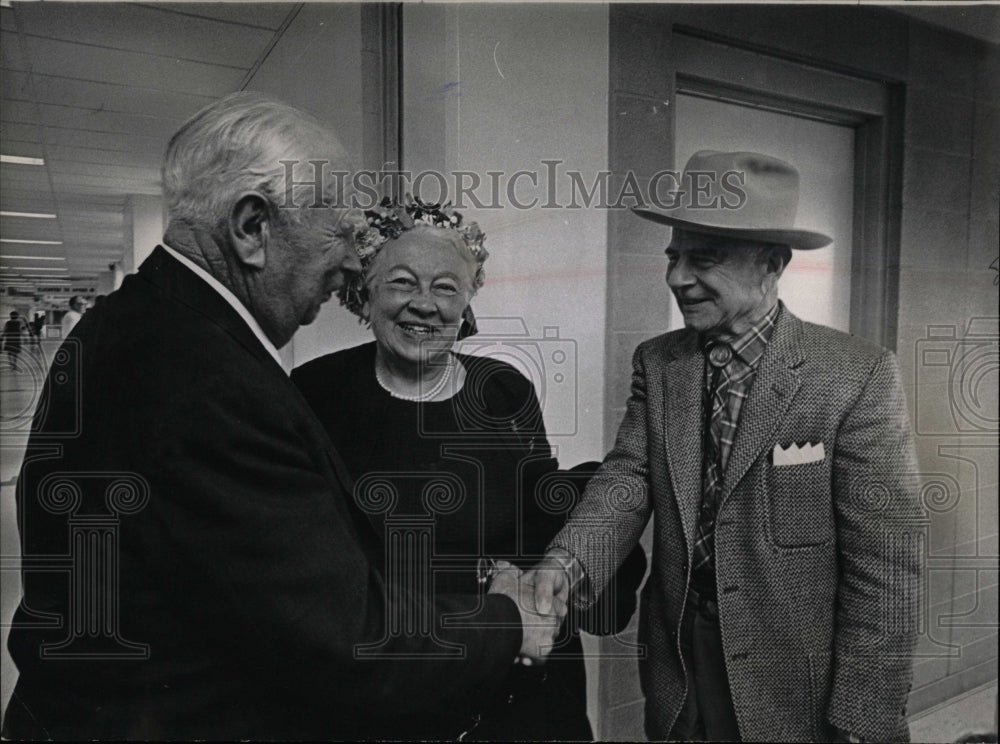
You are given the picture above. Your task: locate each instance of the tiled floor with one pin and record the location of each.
(18, 393)
(970, 712)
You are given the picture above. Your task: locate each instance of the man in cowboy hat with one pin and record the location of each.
(778, 460)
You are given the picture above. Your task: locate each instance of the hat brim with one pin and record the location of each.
(805, 240)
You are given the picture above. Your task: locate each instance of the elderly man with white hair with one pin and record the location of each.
(194, 566)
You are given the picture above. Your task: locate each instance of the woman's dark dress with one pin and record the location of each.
(478, 469)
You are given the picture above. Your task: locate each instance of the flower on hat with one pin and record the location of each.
(388, 220)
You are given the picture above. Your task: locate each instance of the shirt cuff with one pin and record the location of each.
(579, 585)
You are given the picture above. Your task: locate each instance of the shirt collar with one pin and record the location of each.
(230, 298)
(749, 347)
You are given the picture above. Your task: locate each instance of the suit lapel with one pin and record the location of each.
(774, 386)
(683, 379)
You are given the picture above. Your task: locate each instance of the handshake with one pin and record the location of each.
(542, 596)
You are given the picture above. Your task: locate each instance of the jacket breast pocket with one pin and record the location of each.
(800, 505)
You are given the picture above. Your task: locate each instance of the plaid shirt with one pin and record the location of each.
(734, 381)
(747, 351)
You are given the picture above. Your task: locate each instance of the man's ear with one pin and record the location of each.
(250, 229)
(777, 259)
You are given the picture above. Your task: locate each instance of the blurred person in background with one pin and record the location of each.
(77, 307)
(14, 332)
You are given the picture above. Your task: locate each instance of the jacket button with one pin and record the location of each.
(730, 589)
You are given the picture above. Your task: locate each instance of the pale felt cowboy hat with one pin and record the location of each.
(712, 202)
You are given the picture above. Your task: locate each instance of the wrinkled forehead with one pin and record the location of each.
(427, 246)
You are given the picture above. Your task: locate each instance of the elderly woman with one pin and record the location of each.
(417, 413)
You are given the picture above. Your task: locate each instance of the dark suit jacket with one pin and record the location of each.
(816, 564)
(239, 575)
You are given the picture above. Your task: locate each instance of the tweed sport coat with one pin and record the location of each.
(817, 564)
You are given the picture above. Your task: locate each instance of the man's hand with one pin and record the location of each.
(539, 630)
(552, 581)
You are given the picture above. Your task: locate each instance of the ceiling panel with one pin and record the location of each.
(106, 235)
(105, 157)
(77, 228)
(265, 15)
(147, 29)
(6, 19)
(13, 146)
(95, 120)
(85, 62)
(109, 84)
(83, 188)
(11, 52)
(53, 251)
(12, 133)
(30, 229)
(101, 241)
(105, 172)
(104, 140)
(24, 177)
(104, 96)
(21, 112)
(16, 200)
(74, 204)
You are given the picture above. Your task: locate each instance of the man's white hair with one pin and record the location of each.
(235, 146)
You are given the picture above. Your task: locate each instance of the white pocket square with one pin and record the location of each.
(798, 454)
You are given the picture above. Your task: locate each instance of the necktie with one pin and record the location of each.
(719, 355)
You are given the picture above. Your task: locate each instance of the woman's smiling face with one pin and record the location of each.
(418, 288)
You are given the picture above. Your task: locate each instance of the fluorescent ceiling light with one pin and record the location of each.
(18, 160)
(30, 242)
(31, 215)
(36, 258)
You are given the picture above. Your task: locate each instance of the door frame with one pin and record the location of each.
(724, 70)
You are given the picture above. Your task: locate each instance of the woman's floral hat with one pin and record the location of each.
(388, 221)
